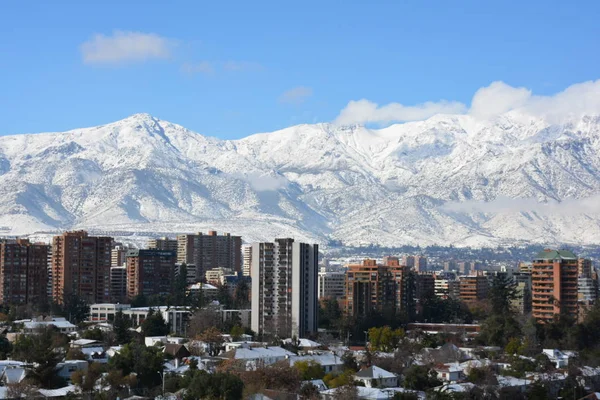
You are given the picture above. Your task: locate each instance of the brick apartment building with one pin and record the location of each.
(23, 271)
(209, 251)
(473, 288)
(80, 265)
(150, 272)
(374, 287)
(554, 284)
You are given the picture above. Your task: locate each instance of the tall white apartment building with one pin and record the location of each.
(284, 288)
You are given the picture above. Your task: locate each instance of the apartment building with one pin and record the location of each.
(117, 256)
(209, 251)
(150, 272)
(163, 243)
(247, 259)
(523, 288)
(118, 284)
(23, 271)
(332, 284)
(473, 288)
(374, 287)
(554, 284)
(80, 265)
(284, 288)
(420, 263)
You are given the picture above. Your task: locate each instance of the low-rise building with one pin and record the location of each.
(376, 377)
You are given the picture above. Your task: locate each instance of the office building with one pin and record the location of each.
(554, 284)
(23, 271)
(190, 273)
(80, 266)
(332, 284)
(209, 251)
(118, 284)
(163, 243)
(150, 272)
(374, 287)
(473, 288)
(284, 288)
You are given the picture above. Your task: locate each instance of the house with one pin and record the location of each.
(253, 356)
(376, 377)
(177, 351)
(329, 361)
(59, 323)
(82, 343)
(58, 393)
(449, 372)
(66, 368)
(304, 344)
(11, 375)
(558, 357)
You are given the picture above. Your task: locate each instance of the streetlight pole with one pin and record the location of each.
(162, 375)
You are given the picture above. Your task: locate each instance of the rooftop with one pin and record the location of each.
(555, 255)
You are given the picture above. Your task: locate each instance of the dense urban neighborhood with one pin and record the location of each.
(207, 316)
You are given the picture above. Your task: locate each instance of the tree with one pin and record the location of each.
(420, 377)
(145, 362)
(93, 334)
(309, 370)
(86, 380)
(214, 386)
(178, 296)
(308, 391)
(202, 320)
(75, 308)
(121, 328)
(349, 361)
(537, 391)
(236, 333)
(5, 347)
(502, 293)
(385, 339)
(330, 313)
(45, 349)
(214, 340)
(241, 295)
(155, 325)
(346, 392)
(75, 354)
(139, 301)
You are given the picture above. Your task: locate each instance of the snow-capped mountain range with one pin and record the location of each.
(452, 179)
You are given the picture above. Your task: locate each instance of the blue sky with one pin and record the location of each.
(229, 69)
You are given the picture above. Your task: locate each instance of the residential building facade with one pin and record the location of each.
(332, 284)
(150, 272)
(554, 284)
(209, 251)
(284, 288)
(23, 271)
(80, 266)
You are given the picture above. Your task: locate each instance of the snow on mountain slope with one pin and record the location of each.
(451, 179)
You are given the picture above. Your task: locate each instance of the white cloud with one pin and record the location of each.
(498, 98)
(488, 102)
(365, 112)
(503, 205)
(125, 46)
(203, 67)
(296, 95)
(263, 182)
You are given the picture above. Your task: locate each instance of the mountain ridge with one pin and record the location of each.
(451, 179)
